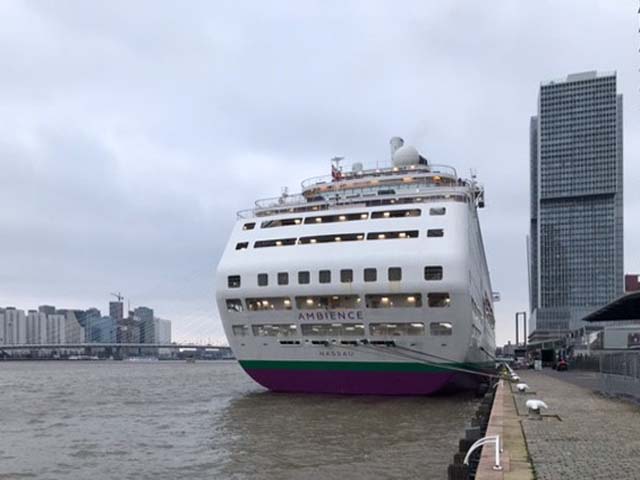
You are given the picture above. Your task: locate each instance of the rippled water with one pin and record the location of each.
(168, 420)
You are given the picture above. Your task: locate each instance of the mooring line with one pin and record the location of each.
(420, 360)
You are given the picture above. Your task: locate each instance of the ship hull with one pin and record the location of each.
(358, 378)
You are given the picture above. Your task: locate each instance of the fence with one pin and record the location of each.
(620, 373)
(582, 362)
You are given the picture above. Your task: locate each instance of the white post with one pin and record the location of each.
(497, 465)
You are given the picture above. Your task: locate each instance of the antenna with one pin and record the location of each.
(335, 161)
(336, 169)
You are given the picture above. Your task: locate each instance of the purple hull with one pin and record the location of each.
(353, 382)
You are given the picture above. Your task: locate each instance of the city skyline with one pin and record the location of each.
(126, 149)
(48, 324)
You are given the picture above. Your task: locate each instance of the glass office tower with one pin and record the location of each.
(576, 238)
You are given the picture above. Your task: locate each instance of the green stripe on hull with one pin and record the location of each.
(357, 366)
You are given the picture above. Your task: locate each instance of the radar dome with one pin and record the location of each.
(405, 156)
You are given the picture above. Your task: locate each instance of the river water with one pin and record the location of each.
(208, 420)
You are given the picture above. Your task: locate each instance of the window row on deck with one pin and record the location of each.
(343, 217)
(332, 302)
(394, 274)
(340, 237)
(382, 329)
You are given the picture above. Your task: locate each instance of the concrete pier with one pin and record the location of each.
(505, 422)
(582, 434)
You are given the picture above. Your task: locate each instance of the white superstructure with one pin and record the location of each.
(368, 281)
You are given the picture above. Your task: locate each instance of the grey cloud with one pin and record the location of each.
(130, 133)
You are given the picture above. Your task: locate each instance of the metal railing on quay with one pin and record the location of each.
(620, 373)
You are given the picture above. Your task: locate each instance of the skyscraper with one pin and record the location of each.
(576, 236)
(144, 316)
(116, 310)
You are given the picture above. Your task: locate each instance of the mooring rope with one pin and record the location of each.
(420, 360)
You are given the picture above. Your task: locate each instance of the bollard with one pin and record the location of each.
(535, 406)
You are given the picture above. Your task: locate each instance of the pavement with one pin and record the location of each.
(581, 378)
(583, 435)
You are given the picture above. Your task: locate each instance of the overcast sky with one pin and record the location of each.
(131, 132)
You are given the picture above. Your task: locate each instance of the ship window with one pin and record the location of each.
(440, 328)
(392, 235)
(278, 242)
(370, 275)
(268, 303)
(233, 281)
(324, 276)
(234, 305)
(339, 237)
(394, 274)
(329, 302)
(275, 330)
(283, 222)
(437, 211)
(433, 272)
(332, 329)
(242, 245)
(249, 226)
(435, 232)
(394, 300)
(304, 278)
(346, 276)
(283, 278)
(396, 329)
(263, 279)
(344, 217)
(414, 212)
(439, 299)
(240, 330)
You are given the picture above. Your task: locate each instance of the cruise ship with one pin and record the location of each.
(369, 281)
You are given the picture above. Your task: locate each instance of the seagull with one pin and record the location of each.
(515, 378)
(522, 387)
(535, 405)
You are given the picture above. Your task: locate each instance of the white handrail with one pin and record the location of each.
(490, 439)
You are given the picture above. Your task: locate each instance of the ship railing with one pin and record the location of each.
(283, 200)
(274, 206)
(430, 170)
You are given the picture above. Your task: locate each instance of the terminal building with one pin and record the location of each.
(575, 246)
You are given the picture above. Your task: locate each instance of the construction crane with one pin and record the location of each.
(118, 296)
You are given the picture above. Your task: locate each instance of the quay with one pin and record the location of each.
(582, 435)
